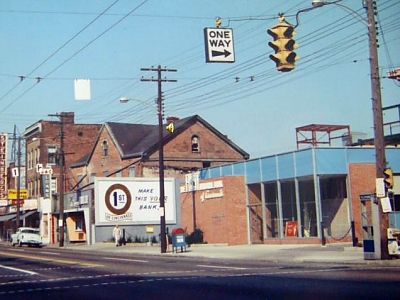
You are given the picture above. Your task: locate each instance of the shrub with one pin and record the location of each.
(196, 237)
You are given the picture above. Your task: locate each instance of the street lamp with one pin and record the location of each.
(126, 100)
(380, 220)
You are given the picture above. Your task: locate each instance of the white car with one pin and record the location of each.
(27, 236)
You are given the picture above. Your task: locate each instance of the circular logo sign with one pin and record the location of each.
(118, 199)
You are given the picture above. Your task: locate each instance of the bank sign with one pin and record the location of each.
(133, 201)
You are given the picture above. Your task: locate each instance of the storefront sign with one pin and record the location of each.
(291, 229)
(3, 166)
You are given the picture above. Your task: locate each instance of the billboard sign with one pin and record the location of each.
(133, 201)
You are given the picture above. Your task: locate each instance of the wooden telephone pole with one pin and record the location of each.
(159, 80)
(382, 222)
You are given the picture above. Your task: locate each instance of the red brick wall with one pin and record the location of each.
(256, 230)
(110, 163)
(362, 180)
(78, 141)
(222, 219)
(178, 155)
(211, 147)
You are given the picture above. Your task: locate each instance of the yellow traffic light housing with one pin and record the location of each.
(283, 45)
(388, 178)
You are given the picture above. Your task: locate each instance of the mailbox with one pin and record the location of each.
(178, 239)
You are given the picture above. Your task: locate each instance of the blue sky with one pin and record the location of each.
(59, 41)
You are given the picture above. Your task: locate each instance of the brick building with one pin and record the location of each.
(43, 141)
(131, 150)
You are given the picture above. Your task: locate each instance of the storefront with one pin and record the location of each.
(305, 196)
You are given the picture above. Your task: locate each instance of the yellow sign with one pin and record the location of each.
(12, 194)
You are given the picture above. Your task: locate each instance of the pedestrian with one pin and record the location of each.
(117, 235)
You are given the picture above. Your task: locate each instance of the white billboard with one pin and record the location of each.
(133, 201)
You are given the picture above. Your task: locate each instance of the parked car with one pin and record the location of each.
(27, 236)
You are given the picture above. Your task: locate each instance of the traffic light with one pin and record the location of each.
(283, 45)
(388, 178)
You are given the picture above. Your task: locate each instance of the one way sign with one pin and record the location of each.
(219, 45)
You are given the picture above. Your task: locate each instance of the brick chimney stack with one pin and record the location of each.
(172, 119)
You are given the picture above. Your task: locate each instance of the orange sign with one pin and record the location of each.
(291, 228)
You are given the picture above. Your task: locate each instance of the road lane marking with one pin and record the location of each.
(61, 261)
(49, 253)
(18, 270)
(126, 259)
(221, 267)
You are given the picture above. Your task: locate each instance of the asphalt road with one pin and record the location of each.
(34, 273)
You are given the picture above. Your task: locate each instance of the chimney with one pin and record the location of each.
(172, 119)
(68, 117)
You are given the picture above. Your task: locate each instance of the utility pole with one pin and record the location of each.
(379, 219)
(18, 181)
(61, 192)
(17, 165)
(380, 233)
(159, 80)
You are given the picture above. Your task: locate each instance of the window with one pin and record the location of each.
(92, 176)
(29, 160)
(79, 180)
(78, 225)
(206, 164)
(37, 156)
(51, 154)
(132, 171)
(105, 149)
(195, 144)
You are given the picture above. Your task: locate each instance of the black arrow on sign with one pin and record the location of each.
(219, 53)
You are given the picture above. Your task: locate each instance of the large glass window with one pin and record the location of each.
(271, 207)
(335, 206)
(289, 209)
(308, 208)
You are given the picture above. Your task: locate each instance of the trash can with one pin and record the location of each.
(178, 239)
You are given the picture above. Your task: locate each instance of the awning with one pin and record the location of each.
(25, 215)
(4, 218)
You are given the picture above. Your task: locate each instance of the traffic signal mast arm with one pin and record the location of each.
(283, 45)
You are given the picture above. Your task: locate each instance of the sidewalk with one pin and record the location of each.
(333, 253)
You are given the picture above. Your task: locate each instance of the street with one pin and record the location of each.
(44, 273)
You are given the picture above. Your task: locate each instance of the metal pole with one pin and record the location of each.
(194, 205)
